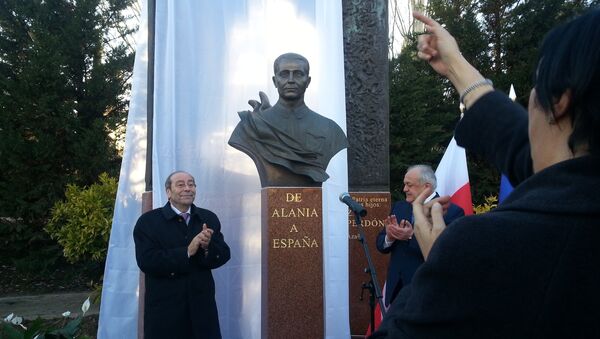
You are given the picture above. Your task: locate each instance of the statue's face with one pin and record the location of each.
(291, 79)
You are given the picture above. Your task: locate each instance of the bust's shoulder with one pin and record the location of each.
(322, 122)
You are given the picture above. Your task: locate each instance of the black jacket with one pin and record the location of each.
(528, 269)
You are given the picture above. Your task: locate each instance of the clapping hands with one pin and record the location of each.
(201, 240)
(398, 231)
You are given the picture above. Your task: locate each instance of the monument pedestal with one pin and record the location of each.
(292, 263)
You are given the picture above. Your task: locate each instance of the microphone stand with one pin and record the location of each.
(373, 284)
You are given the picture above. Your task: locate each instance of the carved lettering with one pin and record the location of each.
(301, 212)
(293, 197)
(369, 223)
(290, 243)
(294, 229)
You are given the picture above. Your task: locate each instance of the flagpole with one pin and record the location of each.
(150, 93)
(147, 195)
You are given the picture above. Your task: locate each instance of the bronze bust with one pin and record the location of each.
(290, 144)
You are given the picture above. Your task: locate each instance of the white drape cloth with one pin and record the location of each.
(211, 57)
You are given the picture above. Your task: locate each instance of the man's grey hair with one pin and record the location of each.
(168, 181)
(427, 175)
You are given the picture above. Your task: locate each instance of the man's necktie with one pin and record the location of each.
(186, 217)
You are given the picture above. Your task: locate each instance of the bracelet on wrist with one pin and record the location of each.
(473, 86)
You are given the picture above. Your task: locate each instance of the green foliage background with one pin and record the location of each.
(500, 38)
(81, 224)
(63, 90)
(63, 84)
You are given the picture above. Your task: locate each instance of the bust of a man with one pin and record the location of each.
(290, 144)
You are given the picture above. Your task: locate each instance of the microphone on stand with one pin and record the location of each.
(353, 205)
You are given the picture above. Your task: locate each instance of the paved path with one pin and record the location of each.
(46, 306)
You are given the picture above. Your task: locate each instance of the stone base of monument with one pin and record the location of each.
(292, 263)
(377, 205)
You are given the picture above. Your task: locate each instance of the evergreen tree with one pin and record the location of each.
(421, 116)
(528, 24)
(476, 26)
(424, 107)
(63, 82)
(500, 38)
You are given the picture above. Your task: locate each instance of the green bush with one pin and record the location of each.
(81, 224)
(26, 247)
(490, 203)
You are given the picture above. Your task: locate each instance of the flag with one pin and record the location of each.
(505, 188)
(378, 316)
(378, 319)
(453, 177)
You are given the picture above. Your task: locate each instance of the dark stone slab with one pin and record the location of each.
(366, 67)
(292, 263)
(377, 205)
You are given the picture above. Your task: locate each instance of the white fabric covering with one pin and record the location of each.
(211, 57)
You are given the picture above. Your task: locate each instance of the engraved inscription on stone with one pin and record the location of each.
(370, 203)
(295, 214)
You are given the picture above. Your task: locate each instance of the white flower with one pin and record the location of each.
(66, 314)
(9, 317)
(86, 305)
(17, 320)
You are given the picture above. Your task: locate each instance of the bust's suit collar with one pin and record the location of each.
(298, 112)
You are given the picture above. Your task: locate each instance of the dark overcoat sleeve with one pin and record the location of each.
(496, 128)
(218, 251)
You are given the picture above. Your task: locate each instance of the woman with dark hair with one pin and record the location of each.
(531, 267)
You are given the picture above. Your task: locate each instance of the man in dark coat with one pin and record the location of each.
(397, 238)
(176, 247)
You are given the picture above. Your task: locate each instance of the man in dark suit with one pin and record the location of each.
(177, 246)
(397, 237)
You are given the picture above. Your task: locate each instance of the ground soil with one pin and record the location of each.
(62, 278)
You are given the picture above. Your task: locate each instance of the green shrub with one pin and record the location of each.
(27, 247)
(490, 203)
(81, 224)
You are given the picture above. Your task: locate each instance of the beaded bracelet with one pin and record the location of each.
(473, 86)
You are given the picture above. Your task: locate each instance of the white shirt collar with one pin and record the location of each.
(430, 197)
(178, 212)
